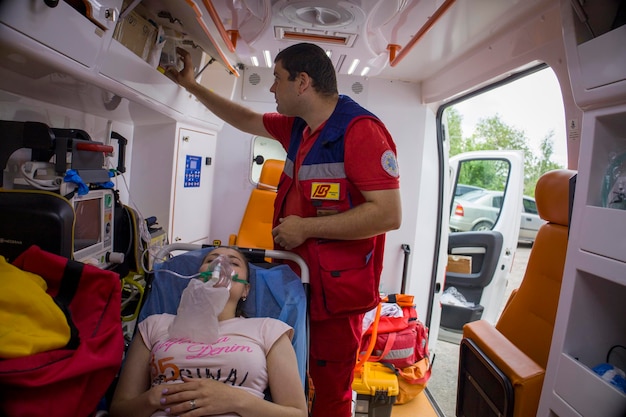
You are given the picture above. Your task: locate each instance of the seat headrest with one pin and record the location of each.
(552, 196)
(270, 174)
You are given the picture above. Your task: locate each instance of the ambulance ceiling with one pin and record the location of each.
(361, 31)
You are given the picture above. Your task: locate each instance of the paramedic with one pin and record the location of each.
(174, 376)
(338, 195)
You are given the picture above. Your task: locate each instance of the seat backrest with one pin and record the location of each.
(528, 318)
(255, 230)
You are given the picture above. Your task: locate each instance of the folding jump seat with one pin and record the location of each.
(502, 367)
(255, 230)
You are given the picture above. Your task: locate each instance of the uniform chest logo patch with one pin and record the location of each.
(389, 163)
(325, 191)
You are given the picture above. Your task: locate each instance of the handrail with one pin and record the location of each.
(207, 32)
(421, 32)
(166, 251)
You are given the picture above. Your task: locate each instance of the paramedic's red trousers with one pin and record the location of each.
(333, 350)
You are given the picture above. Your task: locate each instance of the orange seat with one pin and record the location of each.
(502, 367)
(255, 230)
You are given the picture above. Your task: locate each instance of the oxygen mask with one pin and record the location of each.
(220, 273)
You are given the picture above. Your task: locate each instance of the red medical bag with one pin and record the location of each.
(70, 381)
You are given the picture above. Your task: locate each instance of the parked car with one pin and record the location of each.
(464, 189)
(479, 209)
(530, 222)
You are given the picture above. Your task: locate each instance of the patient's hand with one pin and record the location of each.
(212, 397)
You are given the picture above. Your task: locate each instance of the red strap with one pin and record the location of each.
(391, 339)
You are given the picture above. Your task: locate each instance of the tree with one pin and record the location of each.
(455, 133)
(492, 133)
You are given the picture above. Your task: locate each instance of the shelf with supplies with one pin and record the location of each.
(594, 43)
(595, 326)
(603, 221)
(41, 42)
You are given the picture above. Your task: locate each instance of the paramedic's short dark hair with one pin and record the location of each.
(310, 58)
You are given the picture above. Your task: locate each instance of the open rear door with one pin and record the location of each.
(486, 202)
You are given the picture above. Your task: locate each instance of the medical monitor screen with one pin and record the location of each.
(87, 230)
(93, 227)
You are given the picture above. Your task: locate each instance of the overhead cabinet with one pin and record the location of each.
(117, 46)
(594, 34)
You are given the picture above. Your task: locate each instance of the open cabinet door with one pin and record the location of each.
(486, 202)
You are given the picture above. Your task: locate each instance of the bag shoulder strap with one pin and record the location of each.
(362, 358)
(67, 290)
(69, 282)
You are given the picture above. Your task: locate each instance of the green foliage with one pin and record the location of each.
(488, 174)
(493, 134)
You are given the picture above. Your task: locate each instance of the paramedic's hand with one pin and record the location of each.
(203, 396)
(290, 233)
(185, 78)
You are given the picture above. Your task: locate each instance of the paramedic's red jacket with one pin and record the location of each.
(352, 150)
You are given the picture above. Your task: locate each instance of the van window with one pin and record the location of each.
(478, 194)
(262, 150)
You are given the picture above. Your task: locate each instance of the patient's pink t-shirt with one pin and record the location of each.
(237, 358)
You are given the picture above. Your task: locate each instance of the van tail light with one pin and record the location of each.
(458, 210)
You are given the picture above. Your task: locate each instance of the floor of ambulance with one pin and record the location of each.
(419, 406)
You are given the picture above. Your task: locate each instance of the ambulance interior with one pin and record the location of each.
(84, 101)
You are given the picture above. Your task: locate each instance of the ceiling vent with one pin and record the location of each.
(321, 21)
(307, 14)
(312, 35)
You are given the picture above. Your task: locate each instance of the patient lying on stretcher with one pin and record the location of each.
(224, 374)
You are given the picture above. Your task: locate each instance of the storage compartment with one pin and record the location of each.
(487, 392)
(596, 53)
(136, 34)
(608, 158)
(185, 23)
(606, 401)
(376, 388)
(176, 182)
(595, 325)
(597, 320)
(460, 264)
(603, 222)
(139, 48)
(80, 40)
(604, 231)
(594, 34)
(454, 317)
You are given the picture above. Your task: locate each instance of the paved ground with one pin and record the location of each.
(442, 384)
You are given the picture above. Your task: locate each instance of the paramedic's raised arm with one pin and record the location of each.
(234, 114)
